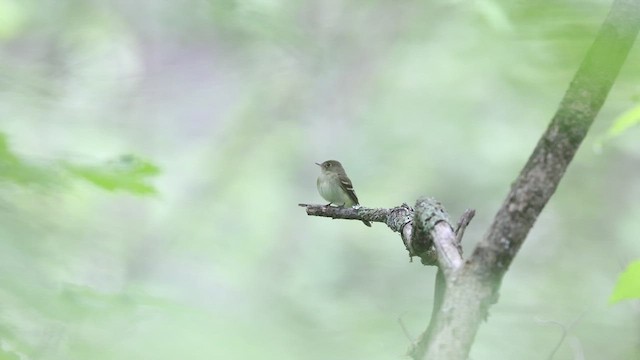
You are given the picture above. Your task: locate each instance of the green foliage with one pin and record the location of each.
(127, 173)
(12, 17)
(34, 293)
(628, 285)
(8, 355)
(13, 169)
(622, 124)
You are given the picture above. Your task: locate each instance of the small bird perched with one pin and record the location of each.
(335, 186)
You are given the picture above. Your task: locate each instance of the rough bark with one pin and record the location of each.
(424, 231)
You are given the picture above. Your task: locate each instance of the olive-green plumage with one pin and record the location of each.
(335, 186)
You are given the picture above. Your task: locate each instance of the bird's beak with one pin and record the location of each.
(318, 164)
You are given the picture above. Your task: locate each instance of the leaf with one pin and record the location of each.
(628, 286)
(622, 124)
(9, 355)
(15, 170)
(127, 173)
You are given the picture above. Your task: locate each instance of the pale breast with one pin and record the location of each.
(333, 194)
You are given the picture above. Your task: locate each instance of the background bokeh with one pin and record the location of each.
(234, 101)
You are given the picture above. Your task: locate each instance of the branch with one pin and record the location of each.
(358, 213)
(450, 248)
(398, 219)
(432, 223)
(425, 232)
(464, 221)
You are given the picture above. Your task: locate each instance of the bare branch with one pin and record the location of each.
(355, 213)
(464, 221)
(565, 331)
(431, 222)
(425, 232)
(398, 219)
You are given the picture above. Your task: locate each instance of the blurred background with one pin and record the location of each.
(199, 251)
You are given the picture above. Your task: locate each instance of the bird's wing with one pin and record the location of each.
(346, 185)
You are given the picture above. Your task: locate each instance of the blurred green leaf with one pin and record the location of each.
(13, 169)
(494, 14)
(128, 173)
(628, 286)
(623, 123)
(13, 16)
(8, 355)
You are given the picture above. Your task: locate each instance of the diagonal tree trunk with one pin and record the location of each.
(471, 289)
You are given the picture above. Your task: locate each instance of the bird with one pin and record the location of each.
(335, 186)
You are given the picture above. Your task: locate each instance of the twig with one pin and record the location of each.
(565, 331)
(405, 330)
(464, 221)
